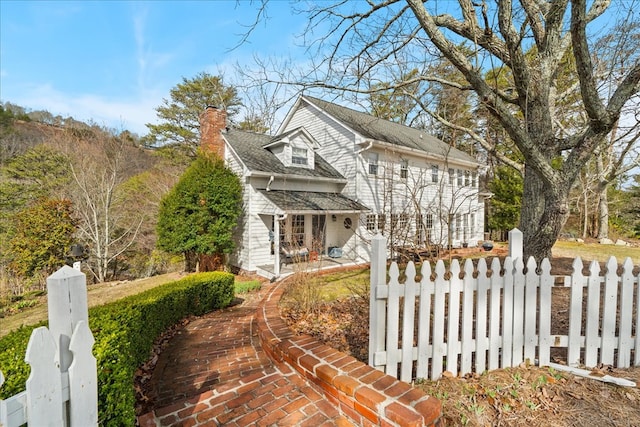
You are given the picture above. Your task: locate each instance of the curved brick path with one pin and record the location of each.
(214, 372)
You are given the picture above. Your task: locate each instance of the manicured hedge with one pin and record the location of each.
(124, 332)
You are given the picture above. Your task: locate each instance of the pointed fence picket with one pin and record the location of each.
(62, 386)
(500, 318)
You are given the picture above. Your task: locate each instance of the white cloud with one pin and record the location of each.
(131, 114)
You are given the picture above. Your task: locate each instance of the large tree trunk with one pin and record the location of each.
(544, 213)
(190, 262)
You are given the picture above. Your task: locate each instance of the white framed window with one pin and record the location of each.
(297, 230)
(465, 229)
(467, 178)
(460, 177)
(382, 220)
(371, 222)
(452, 176)
(458, 226)
(299, 156)
(373, 163)
(474, 179)
(404, 169)
(434, 173)
(419, 229)
(403, 221)
(428, 227)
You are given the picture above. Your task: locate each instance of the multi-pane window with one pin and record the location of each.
(373, 163)
(428, 225)
(299, 156)
(371, 222)
(474, 179)
(297, 230)
(460, 177)
(458, 226)
(434, 173)
(465, 225)
(452, 177)
(467, 178)
(403, 221)
(404, 169)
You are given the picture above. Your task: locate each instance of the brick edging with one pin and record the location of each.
(363, 394)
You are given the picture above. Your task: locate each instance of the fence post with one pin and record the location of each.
(377, 330)
(67, 304)
(515, 244)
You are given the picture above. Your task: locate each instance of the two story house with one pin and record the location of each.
(332, 177)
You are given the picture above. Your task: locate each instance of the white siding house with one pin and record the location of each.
(332, 177)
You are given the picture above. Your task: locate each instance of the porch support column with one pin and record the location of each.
(276, 246)
(327, 218)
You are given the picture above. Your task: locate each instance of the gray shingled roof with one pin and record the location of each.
(249, 145)
(383, 130)
(304, 201)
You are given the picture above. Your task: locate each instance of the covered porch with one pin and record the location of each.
(310, 230)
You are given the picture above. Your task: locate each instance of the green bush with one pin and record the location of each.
(124, 332)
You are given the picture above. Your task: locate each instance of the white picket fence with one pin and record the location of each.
(420, 329)
(62, 388)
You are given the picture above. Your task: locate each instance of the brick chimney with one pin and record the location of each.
(213, 121)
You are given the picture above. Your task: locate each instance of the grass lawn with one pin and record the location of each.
(595, 252)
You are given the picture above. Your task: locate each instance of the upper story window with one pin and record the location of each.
(474, 179)
(467, 178)
(404, 169)
(373, 163)
(299, 156)
(452, 176)
(434, 173)
(460, 177)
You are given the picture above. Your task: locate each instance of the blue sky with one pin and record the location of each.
(114, 61)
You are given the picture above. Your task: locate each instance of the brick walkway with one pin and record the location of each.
(214, 372)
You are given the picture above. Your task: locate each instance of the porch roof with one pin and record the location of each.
(310, 201)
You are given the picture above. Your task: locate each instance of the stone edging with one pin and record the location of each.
(363, 394)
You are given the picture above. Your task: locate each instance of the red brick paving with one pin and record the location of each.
(215, 373)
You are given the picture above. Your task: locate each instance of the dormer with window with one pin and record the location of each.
(294, 148)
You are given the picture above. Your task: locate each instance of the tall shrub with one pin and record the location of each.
(199, 214)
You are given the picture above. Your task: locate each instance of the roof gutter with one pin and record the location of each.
(421, 153)
(269, 175)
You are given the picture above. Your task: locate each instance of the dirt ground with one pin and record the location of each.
(523, 396)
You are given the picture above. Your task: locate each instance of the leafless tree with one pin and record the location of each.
(99, 164)
(353, 43)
